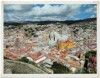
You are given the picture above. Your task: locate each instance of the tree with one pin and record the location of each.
(24, 59)
(90, 62)
(58, 68)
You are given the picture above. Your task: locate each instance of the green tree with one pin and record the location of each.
(58, 68)
(24, 59)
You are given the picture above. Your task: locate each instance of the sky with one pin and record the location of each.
(48, 12)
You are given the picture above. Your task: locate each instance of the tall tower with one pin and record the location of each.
(17, 43)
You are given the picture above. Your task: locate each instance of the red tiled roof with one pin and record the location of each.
(11, 55)
(35, 55)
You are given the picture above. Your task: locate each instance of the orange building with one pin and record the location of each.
(68, 44)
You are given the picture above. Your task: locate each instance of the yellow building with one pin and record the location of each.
(66, 44)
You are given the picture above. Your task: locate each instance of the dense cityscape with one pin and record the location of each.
(51, 48)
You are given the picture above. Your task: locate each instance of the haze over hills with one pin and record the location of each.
(49, 22)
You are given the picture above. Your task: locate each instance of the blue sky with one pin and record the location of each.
(43, 12)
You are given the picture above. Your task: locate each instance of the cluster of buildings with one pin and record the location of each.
(52, 45)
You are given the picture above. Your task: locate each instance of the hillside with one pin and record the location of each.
(68, 22)
(21, 68)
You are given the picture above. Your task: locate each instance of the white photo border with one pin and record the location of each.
(48, 75)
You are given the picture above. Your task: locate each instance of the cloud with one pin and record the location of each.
(13, 7)
(36, 12)
(54, 10)
(92, 9)
(92, 16)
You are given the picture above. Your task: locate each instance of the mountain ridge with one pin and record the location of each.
(50, 22)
